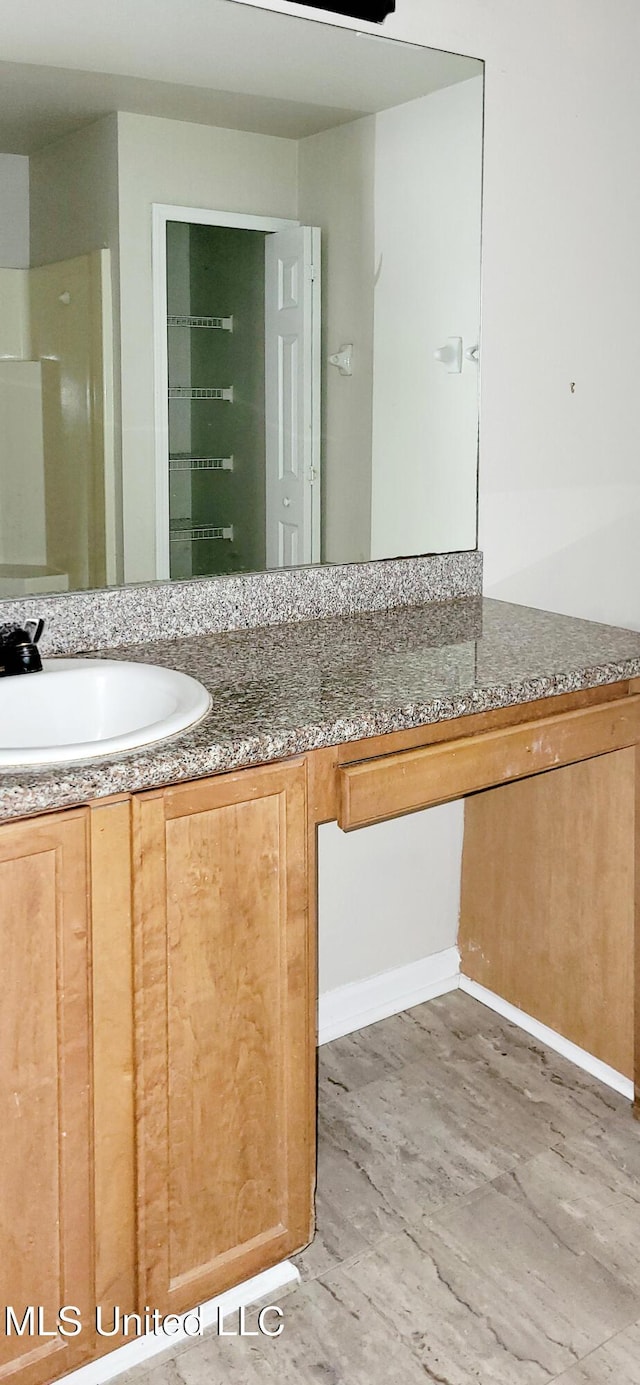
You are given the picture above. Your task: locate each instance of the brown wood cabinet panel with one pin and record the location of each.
(225, 1104)
(113, 1060)
(547, 909)
(46, 1205)
(394, 784)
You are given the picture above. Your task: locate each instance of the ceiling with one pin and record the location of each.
(213, 62)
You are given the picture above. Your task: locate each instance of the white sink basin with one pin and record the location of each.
(79, 708)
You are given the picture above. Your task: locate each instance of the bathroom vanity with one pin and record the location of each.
(159, 929)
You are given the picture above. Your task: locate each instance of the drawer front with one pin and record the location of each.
(375, 790)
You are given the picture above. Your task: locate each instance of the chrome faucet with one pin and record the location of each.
(19, 651)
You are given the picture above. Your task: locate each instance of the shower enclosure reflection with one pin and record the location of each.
(57, 500)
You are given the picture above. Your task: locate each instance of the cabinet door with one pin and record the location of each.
(225, 1031)
(46, 1222)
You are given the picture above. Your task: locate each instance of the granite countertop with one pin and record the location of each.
(280, 690)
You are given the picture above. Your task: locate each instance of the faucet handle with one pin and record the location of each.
(18, 652)
(34, 629)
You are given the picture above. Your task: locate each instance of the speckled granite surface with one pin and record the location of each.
(285, 689)
(172, 610)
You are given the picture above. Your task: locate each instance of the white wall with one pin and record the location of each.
(398, 199)
(428, 182)
(559, 471)
(74, 194)
(15, 339)
(384, 891)
(188, 165)
(336, 192)
(14, 211)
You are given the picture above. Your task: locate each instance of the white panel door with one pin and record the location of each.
(292, 396)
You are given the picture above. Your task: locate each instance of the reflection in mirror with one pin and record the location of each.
(239, 323)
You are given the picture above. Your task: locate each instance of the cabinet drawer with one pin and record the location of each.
(374, 790)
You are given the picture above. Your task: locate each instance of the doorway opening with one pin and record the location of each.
(237, 347)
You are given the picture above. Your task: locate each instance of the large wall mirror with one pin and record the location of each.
(239, 318)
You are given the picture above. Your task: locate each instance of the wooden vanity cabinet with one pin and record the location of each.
(158, 969)
(157, 1088)
(225, 1031)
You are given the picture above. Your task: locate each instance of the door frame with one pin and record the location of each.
(310, 424)
(161, 213)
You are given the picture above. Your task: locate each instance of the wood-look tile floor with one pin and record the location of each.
(478, 1221)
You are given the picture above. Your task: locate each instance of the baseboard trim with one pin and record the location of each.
(144, 1348)
(353, 1007)
(579, 1056)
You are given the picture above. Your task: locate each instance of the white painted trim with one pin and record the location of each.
(206, 216)
(316, 395)
(161, 213)
(365, 1002)
(144, 1348)
(160, 392)
(108, 422)
(547, 1036)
